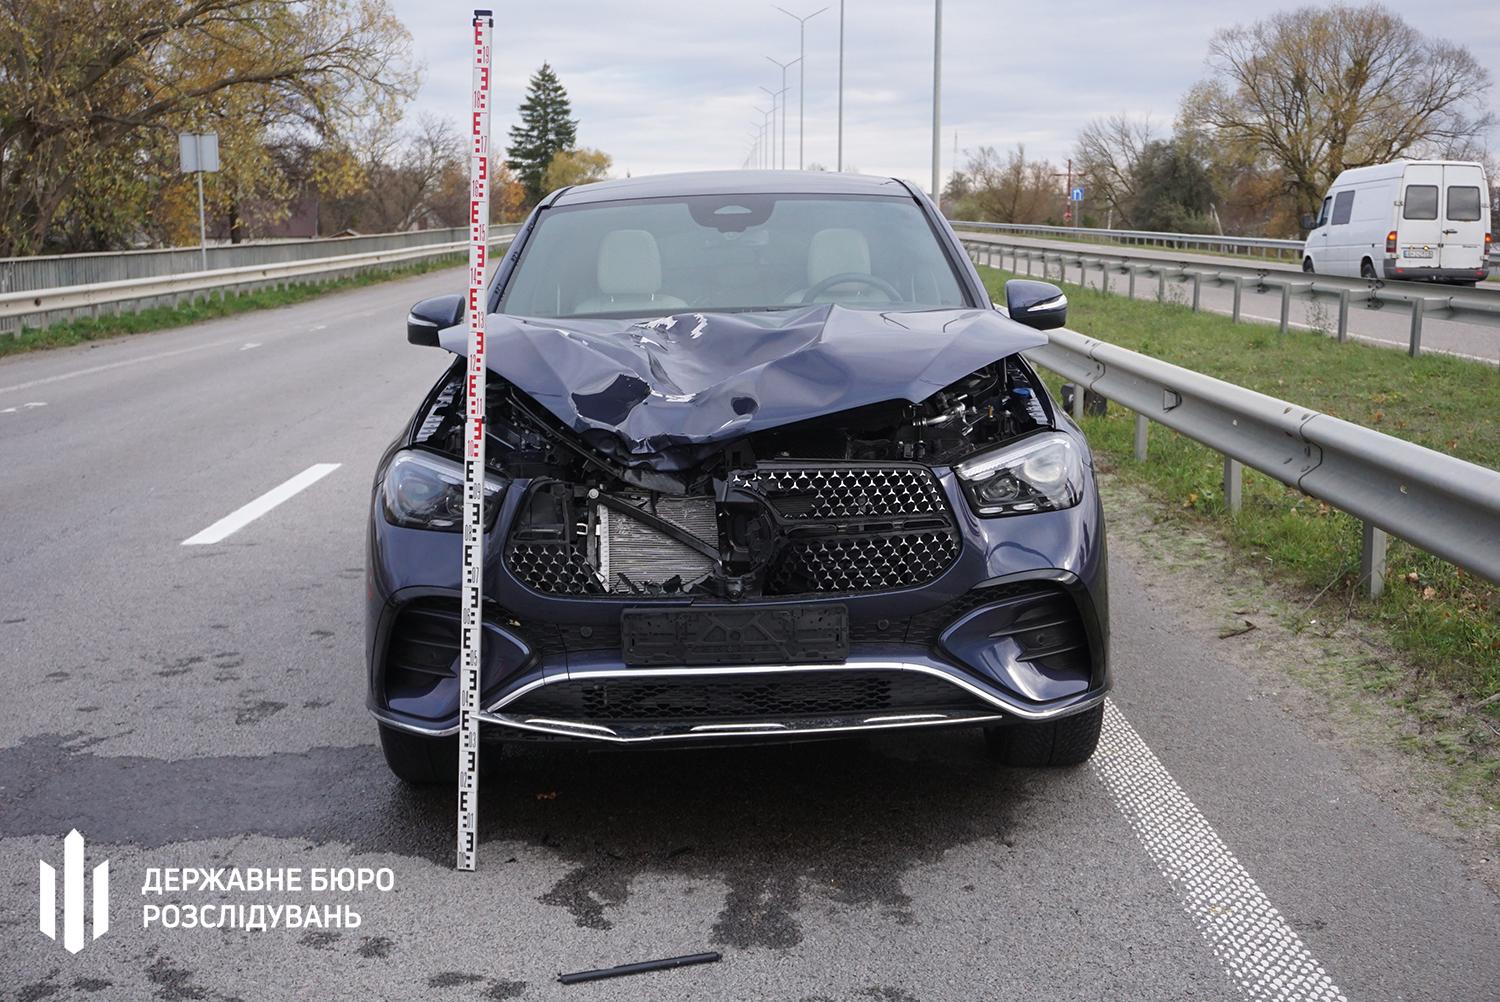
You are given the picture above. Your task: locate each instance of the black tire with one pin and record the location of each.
(420, 760)
(1367, 269)
(1307, 266)
(1067, 741)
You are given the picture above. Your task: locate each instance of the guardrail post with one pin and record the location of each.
(1161, 285)
(1197, 287)
(1142, 430)
(1343, 314)
(1239, 291)
(1078, 392)
(1286, 306)
(1372, 560)
(1233, 481)
(1029, 258)
(1131, 269)
(1418, 310)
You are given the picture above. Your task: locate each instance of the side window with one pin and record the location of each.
(1421, 202)
(1323, 215)
(1463, 204)
(1343, 205)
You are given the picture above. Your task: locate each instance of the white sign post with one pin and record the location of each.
(471, 616)
(199, 152)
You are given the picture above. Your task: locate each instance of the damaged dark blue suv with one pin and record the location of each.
(765, 464)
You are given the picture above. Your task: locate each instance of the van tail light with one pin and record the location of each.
(1489, 243)
(1390, 243)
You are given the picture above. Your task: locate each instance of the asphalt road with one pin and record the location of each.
(202, 706)
(1389, 325)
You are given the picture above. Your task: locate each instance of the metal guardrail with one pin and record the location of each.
(48, 289)
(1421, 300)
(1204, 242)
(1446, 506)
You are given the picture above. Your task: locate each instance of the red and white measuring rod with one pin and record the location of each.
(473, 568)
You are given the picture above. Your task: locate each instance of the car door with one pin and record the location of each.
(1420, 232)
(1463, 217)
(1341, 236)
(1316, 245)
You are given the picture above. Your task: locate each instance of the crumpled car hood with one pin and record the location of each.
(656, 393)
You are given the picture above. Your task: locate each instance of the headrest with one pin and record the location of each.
(837, 252)
(629, 263)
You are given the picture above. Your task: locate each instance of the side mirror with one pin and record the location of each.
(432, 315)
(1039, 305)
(1309, 221)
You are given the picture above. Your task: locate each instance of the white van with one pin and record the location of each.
(1413, 220)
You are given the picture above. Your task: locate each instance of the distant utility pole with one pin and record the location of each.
(937, 100)
(801, 72)
(784, 67)
(840, 166)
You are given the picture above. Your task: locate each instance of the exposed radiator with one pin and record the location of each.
(631, 552)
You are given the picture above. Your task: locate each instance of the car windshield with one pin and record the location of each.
(717, 253)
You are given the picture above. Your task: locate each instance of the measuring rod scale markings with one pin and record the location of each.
(473, 535)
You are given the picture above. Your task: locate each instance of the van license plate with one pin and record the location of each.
(1419, 252)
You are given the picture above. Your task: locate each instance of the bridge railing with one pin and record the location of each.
(1206, 243)
(43, 290)
(1422, 301)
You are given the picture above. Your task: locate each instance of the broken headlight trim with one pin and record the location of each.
(423, 491)
(1039, 473)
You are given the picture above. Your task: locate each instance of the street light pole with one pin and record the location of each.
(937, 99)
(772, 164)
(763, 129)
(801, 73)
(840, 167)
(784, 67)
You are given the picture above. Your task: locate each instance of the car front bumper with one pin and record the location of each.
(1016, 628)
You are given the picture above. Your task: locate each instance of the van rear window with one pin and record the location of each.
(1421, 202)
(1463, 203)
(1343, 206)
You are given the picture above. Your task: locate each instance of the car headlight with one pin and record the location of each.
(1040, 473)
(423, 491)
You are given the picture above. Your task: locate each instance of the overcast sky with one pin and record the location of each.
(665, 85)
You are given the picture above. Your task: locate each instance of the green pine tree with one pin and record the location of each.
(546, 128)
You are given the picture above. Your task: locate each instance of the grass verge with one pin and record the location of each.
(158, 318)
(1443, 622)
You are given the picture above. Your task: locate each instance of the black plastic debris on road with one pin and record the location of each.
(646, 965)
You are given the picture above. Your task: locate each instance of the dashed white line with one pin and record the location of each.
(249, 344)
(1254, 943)
(243, 516)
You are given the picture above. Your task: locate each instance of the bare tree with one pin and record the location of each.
(1317, 90)
(1108, 155)
(1011, 189)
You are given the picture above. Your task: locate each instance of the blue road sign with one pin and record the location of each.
(1078, 194)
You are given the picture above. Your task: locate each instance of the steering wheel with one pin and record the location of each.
(857, 277)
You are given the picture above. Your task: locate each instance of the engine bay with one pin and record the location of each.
(841, 502)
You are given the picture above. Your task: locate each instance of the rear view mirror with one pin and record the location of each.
(433, 315)
(1039, 305)
(1309, 221)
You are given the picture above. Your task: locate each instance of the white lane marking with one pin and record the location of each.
(35, 403)
(105, 368)
(250, 344)
(1249, 936)
(243, 516)
(1394, 340)
(27, 406)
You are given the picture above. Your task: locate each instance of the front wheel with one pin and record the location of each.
(1037, 744)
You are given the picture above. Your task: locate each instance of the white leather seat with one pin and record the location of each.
(629, 275)
(837, 251)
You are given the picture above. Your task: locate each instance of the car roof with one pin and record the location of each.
(731, 182)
